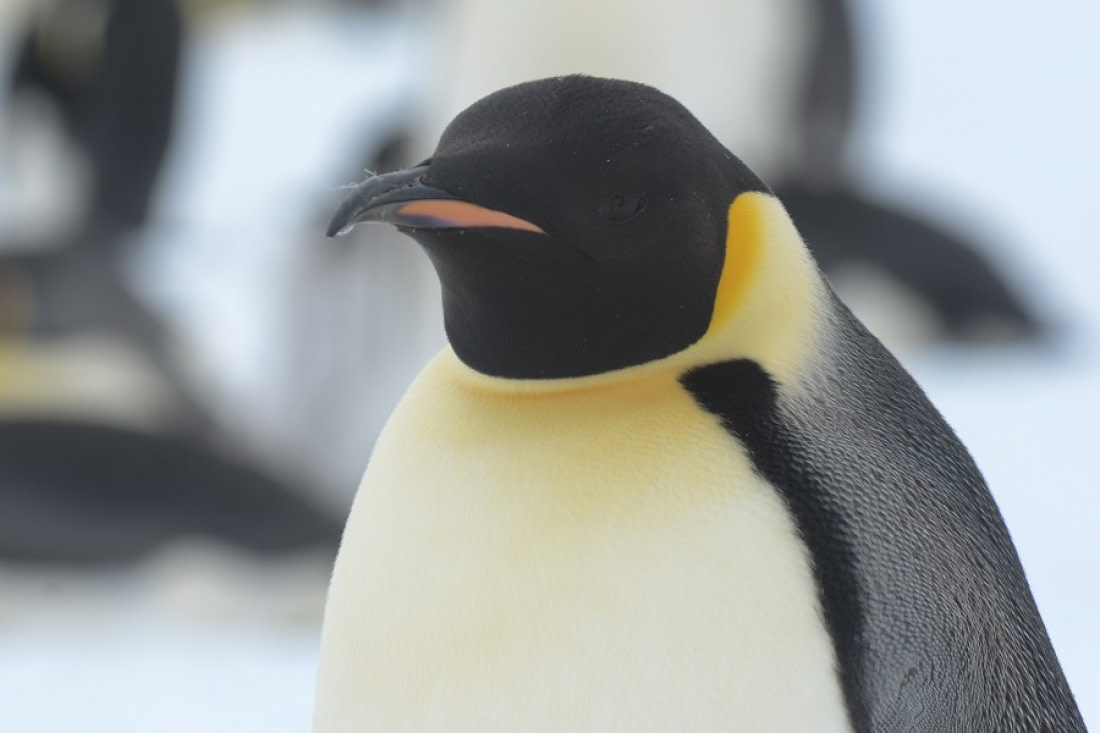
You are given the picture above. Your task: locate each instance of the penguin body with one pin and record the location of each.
(662, 479)
(581, 519)
(565, 579)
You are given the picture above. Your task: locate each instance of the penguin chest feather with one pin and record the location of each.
(604, 559)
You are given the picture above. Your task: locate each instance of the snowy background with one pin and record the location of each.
(986, 112)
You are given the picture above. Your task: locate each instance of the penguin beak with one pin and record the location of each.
(402, 198)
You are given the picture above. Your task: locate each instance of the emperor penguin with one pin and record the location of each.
(661, 478)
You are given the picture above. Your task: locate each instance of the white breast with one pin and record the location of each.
(600, 559)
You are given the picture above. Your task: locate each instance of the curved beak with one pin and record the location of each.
(402, 198)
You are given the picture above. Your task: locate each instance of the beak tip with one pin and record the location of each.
(344, 219)
(376, 190)
(335, 230)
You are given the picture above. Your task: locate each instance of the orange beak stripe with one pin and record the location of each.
(450, 214)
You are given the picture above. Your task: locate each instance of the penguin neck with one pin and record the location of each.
(772, 305)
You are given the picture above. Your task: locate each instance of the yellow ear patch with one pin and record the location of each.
(744, 245)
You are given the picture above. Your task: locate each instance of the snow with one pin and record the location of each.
(165, 677)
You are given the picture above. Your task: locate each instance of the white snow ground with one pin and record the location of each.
(986, 111)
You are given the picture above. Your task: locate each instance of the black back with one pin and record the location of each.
(934, 624)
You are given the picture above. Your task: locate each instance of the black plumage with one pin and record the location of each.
(76, 493)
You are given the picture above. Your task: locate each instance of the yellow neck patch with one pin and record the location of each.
(744, 245)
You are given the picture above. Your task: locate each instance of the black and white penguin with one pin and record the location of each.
(661, 479)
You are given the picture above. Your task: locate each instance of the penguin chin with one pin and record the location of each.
(526, 306)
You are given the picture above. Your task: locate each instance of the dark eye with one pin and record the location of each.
(621, 207)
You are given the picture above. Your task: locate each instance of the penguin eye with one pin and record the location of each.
(621, 207)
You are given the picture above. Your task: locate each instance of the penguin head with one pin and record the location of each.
(578, 226)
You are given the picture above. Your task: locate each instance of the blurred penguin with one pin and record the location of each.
(115, 519)
(138, 492)
(107, 457)
(108, 69)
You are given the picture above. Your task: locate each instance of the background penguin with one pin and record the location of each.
(103, 524)
(954, 293)
(80, 494)
(662, 478)
(118, 487)
(108, 69)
